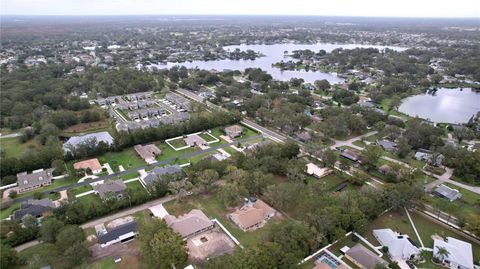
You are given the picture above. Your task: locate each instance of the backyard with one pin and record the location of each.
(13, 148)
(128, 158)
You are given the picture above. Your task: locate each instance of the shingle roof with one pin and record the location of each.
(26, 180)
(115, 186)
(364, 256)
(77, 140)
(33, 208)
(447, 192)
(190, 223)
(160, 171)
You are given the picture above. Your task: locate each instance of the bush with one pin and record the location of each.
(12, 194)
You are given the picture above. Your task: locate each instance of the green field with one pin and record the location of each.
(178, 143)
(137, 186)
(79, 190)
(5, 213)
(128, 158)
(13, 148)
(207, 137)
(40, 255)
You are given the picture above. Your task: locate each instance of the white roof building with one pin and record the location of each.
(399, 246)
(459, 252)
(313, 169)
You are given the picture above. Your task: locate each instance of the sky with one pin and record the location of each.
(373, 8)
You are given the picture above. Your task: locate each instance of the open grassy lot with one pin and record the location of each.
(468, 204)
(13, 148)
(91, 199)
(426, 228)
(168, 152)
(40, 255)
(88, 127)
(128, 158)
(213, 208)
(207, 137)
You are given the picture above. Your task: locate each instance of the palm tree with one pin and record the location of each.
(442, 253)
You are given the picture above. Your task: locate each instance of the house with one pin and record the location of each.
(195, 140)
(190, 224)
(160, 171)
(148, 152)
(37, 179)
(366, 104)
(387, 145)
(459, 253)
(351, 154)
(234, 131)
(76, 141)
(254, 214)
(92, 164)
(446, 192)
(178, 100)
(399, 245)
(122, 233)
(35, 208)
(110, 188)
(426, 156)
(304, 136)
(363, 257)
(314, 170)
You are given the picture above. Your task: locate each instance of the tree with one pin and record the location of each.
(394, 102)
(59, 167)
(371, 155)
(69, 236)
(473, 224)
(12, 194)
(74, 255)
(161, 246)
(8, 257)
(232, 193)
(206, 178)
(463, 133)
(442, 253)
(49, 229)
(329, 158)
(322, 84)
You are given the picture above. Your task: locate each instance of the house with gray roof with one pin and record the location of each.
(446, 192)
(363, 257)
(110, 188)
(76, 141)
(160, 171)
(195, 140)
(387, 145)
(35, 208)
(37, 179)
(190, 224)
(121, 233)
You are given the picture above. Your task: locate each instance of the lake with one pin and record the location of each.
(275, 53)
(446, 105)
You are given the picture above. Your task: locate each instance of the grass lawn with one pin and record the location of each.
(178, 143)
(207, 137)
(125, 116)
(88, 127)
(331, 181)
(5, 213)
(40, 255)
(359, 143)
(137, 186)
(213, 208)
(395, 220)
(230, 150)
(127, 176)
(13, 148)
(91, 199)
(426, 228)
(79, 190)
(128, 158)
(168, 152)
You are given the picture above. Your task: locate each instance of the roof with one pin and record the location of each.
(147, 151)
(234, 129)
(387, 144)
(117, 232)
(398, 245)
(33, 208)
(385, 168)
(351, 155)
(160, 171)
(115, 186)
(447, 192)
(460, 252)
(93, 164)
(313, 169)
(364, 256)
(78, 140)
(26, 180)
(194, 139)
(252, 214)
(190, 223)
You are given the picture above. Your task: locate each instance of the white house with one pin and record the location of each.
(399, 245)
(459, 253)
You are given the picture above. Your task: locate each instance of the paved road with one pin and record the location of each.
(349, 142)
(108, 218)
(162, 162)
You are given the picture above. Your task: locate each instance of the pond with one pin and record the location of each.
(275, 53)
(446, 105)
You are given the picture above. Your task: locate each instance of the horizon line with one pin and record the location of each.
(242, 15)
